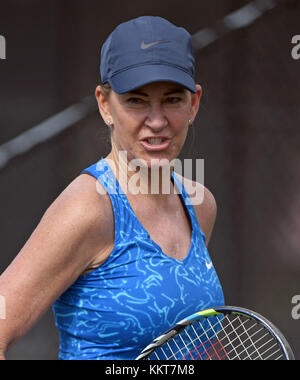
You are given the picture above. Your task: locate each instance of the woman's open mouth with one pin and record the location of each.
(155, 143)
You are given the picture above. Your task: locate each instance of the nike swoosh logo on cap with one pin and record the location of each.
(145, 46)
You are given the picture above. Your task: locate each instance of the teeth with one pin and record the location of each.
(155, 141)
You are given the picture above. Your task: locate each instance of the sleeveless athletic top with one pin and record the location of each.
(116, 310)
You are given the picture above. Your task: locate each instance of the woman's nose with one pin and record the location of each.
(156, 118)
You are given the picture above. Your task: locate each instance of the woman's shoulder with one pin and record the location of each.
(82, 199)
(200, 195)
(204, 203)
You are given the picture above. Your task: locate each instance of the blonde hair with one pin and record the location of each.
(105, 89)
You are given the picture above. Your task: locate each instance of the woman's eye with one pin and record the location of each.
(135, 100)
(173, 100)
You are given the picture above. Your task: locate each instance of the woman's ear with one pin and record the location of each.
(103, 105)
(195, 101)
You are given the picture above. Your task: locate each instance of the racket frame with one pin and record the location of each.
(215, 311)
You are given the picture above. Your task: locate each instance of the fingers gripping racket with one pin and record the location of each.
(222, 333)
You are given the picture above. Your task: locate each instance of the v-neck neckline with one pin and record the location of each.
(182, 194)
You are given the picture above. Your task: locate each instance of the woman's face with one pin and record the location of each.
(151, 122)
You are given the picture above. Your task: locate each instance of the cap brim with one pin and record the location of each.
(139, 76)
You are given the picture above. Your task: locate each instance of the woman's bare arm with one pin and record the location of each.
(64, 244)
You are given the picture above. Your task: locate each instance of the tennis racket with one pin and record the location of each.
(221, 333)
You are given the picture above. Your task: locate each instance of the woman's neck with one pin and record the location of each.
(137, 178)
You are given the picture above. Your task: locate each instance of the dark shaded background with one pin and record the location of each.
(247, 131)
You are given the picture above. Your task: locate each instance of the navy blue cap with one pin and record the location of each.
(145, 50)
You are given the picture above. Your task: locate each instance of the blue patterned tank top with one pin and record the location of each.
(116, 310)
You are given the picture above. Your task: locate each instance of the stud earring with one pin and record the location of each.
(190, 122)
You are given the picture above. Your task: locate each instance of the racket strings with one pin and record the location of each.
(230, 337)
(255, 341)
(186, 343)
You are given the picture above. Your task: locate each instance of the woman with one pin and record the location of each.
(123, 266)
